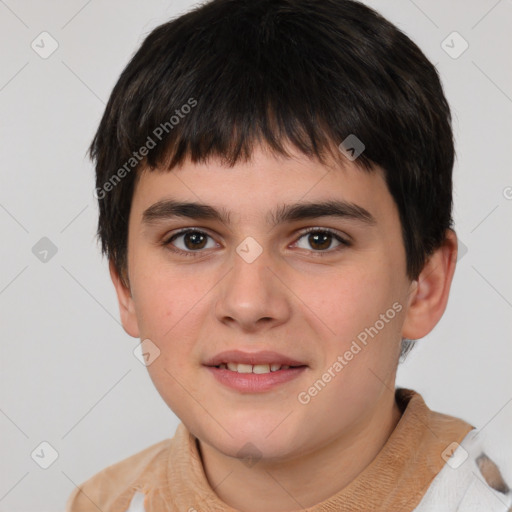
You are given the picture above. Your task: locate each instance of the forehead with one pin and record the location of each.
(255, 188)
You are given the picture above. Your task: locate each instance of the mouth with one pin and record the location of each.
(264, 361)
(254, 372)
(256, 368)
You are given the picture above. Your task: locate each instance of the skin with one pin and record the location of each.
(290, 300)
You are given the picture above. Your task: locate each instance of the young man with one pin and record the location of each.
(274, 180)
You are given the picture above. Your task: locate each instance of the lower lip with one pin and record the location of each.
(255, 382)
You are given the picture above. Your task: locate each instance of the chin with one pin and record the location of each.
(252, 451)
(251, 440)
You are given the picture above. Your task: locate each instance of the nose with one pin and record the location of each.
(252, 297)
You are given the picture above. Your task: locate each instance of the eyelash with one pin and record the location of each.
(343, 242)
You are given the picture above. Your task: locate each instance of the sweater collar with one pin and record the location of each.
(395, 480)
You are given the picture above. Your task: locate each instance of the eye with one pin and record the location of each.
(321, 239)
(189, 241)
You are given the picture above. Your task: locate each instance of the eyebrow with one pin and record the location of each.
(169, 209)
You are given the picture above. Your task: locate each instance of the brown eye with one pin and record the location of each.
(194, 240)
(189, 240)
(320, 240)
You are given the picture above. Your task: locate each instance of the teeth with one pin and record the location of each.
(244, 368)
(261, 368)
(257, 368)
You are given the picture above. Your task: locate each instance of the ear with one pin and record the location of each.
(125, 300)
(429, 293)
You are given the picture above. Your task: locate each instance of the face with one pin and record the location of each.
(324, 290)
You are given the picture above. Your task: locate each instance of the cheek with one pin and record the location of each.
(362, 311)
(170, 307)
(348, 301)
(165, 299)
(170, 313)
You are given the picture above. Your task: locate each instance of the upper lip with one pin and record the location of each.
(253, 358)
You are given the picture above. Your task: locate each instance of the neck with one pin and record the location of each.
(308, 479)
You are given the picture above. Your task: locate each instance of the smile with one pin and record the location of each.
(256, 368)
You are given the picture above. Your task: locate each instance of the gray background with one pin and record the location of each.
(68, 373)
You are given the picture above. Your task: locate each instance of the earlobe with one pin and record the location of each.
(429, 294)
(125, 301)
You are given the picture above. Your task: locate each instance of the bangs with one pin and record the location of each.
(233, 134)
(311, 75)
(272, 81)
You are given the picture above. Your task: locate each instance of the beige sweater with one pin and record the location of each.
(171, 475)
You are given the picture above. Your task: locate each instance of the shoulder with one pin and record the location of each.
(113, 487)
(470, 480)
